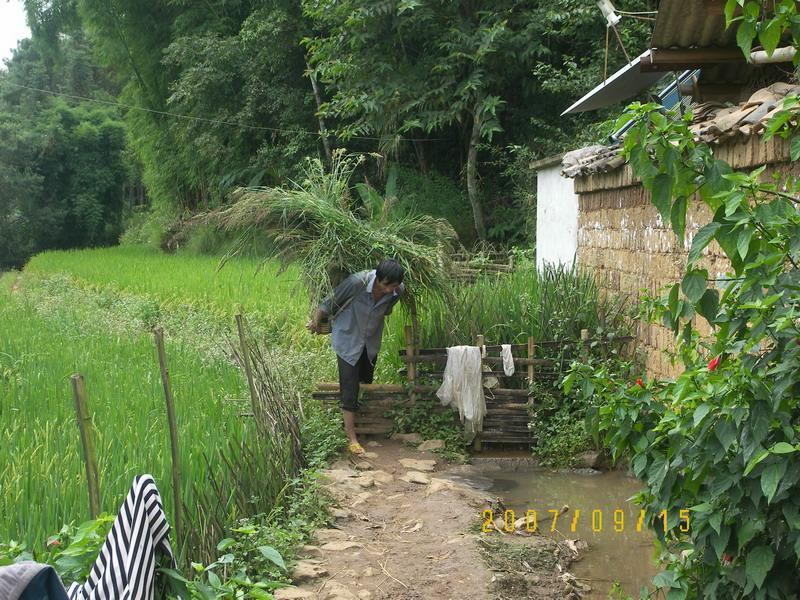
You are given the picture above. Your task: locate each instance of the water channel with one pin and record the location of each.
(620, 546)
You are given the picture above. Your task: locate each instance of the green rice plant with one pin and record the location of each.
(554, 303)
(179, 280)
(42, 485)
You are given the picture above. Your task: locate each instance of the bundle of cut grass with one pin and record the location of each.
(318, 225)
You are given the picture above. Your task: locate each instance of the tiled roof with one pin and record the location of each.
(712, 122)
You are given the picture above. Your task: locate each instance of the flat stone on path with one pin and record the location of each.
(334, 590)
(294, 594)
(438, 485)
(365, 481)
(339, 475)
(339, 546)
(329, 535)
(411, 438)
(372, 455)
(416, 477)
(430, 445)
(340, 513)
(374, 444)
(381, 476)
(306, 570)
(308, 550)
(363, 466)
(418, 465)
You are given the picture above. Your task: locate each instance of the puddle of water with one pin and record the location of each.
(607, 521)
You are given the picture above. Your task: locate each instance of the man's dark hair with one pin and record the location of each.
(390, 271)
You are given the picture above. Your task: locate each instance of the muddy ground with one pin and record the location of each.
(404, 531)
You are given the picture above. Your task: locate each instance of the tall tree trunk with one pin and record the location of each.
(322, 129)
(472, 183)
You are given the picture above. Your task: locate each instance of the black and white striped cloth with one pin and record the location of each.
(125, 568)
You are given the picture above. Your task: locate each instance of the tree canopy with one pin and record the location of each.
(457, 97)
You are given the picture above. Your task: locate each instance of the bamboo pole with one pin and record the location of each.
(87, 442)
(479, 342)
(531, 369)
(177, 478)
(412, 367)
(248, 370)
(531, 351)
(584, 345)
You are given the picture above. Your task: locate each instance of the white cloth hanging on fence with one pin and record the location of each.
(461, 387)
(126, 567)
(508, 359)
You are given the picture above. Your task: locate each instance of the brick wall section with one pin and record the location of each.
(622, 240)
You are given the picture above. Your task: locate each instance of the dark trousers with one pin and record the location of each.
(349, 378)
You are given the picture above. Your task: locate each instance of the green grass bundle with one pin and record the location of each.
(318, 226)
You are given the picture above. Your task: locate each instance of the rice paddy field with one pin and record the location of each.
(186, 280)
(91, 312)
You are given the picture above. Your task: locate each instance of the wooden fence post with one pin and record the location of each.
(584, 345)
(173, 436)
(412, 365)
(479, 341)
(87, 441)
(248, 370)
(531, 352)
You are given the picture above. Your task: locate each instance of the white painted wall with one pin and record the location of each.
(556, 217)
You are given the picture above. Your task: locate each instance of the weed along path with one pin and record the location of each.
(403, 530)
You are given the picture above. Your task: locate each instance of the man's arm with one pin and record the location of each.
(331, 305)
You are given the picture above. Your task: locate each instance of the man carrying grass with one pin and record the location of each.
(358, 307)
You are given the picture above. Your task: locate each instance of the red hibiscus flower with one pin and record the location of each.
(713, 363)
(639, 382)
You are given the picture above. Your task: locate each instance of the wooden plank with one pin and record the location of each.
(523, 348)
(495, 360)
(432, 388)
(489, 348)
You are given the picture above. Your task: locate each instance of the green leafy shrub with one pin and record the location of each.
(558, 426)
(71, 552)
(427, 418)
(720, 442)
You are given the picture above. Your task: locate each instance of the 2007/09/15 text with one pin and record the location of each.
(597, 519)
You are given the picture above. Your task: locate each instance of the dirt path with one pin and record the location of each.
(405, 532)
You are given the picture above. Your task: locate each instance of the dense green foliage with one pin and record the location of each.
(441, 83)
(218, 94)
(721, 440)
(62, 163)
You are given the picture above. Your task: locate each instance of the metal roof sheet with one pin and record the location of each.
(624, 84)
(692, 23)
